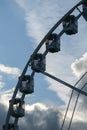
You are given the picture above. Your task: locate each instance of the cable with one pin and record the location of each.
(70, 100)
(67, 109)
(75, 107)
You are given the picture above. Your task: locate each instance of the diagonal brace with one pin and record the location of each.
(64, 83)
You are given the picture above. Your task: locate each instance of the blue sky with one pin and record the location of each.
(23, 23)
(17, 47)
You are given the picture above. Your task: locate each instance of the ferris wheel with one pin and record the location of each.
(37, 63)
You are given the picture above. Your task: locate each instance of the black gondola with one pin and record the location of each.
(70, 25)
(84, 8)
(27, 85)
(38, 63)
(53, 43)
(18, 108)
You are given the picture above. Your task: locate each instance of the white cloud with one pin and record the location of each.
(9, 70)
(21, 3)
(80, 65)
(34, 28)
(39, 119)
(40, 106)
(2, 84)
(59, 66)
(79, 115)
(5, 96)
(38, 19)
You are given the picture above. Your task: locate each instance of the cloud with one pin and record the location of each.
(79, 126)
(80, 65)
(3, 111)
(39, 118)
(32, 107)
(34, 27)
(44, 120)
(9, 70)
(5, 96)
(2, 84)
(39, 18)
(36, 119)
(21, 3)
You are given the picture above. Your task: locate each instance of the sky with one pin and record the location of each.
(23, 24)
